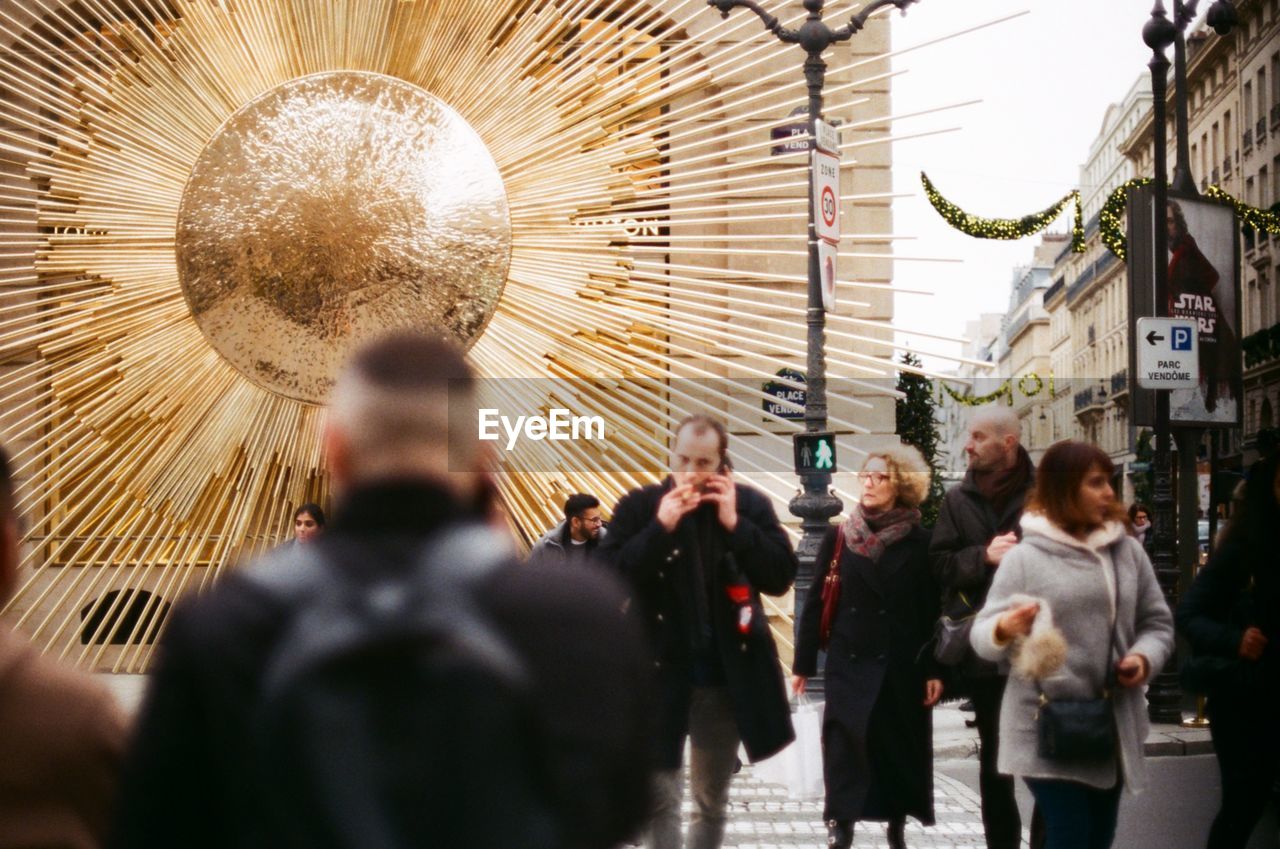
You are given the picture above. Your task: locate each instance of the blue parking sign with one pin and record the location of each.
(1181, 340)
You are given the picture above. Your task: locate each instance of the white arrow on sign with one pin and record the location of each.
(1168, 353)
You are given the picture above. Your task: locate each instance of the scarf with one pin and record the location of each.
(869, 534)
(999, 487)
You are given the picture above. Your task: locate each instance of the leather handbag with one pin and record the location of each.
(831, 592)
(951, 635)
(1080, 730)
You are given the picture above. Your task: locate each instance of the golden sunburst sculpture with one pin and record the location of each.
(209, 202)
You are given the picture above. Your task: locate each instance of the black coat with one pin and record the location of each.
(877, 663)
(958, 555)
(656, 563)
(193, 760)
(1239, 588)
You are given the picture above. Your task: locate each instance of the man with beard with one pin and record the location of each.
(697, 550)
(577, 537)
(977, 526)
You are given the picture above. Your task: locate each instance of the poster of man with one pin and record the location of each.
(1202, 287)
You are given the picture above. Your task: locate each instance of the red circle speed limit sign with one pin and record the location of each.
(829, 206)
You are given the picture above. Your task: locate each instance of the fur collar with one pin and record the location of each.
(1035, 524)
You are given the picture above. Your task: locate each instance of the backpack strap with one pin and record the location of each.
(337, 609)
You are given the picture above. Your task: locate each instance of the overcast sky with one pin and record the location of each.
(1045, 79)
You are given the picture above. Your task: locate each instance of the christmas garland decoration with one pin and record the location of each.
(1006, 228)
(1109, 219)
(1112, 212)
(1250, 216)
(1030, 386)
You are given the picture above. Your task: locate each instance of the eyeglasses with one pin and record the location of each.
(876, 478)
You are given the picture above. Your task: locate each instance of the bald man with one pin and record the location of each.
(977, 526)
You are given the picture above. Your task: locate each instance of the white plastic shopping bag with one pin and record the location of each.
(798, 767)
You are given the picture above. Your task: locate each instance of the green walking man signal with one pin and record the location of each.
(814, 452)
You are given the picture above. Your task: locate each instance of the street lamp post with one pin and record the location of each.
(816, 504)
(1159, 33)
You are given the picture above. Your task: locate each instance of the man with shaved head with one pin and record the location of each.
(976, 527)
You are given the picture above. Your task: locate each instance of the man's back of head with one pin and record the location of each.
(404, 406)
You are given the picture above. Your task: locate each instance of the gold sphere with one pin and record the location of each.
(330, 209)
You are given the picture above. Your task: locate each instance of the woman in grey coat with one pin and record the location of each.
(1075, 600)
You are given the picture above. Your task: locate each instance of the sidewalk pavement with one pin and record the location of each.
(762, 817)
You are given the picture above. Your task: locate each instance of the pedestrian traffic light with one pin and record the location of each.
(814, 452)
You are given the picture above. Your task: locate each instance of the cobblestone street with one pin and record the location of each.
(761, 817)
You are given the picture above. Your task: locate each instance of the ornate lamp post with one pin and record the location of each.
(1159, 33)
(816, 504)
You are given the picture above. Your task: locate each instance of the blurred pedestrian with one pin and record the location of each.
(576, 538)
(1140, 525)
(1076, 607)
(527, 725)
(62, 735)
(308, 522)
(881, 680)
(976, 528)
(697, 550)
(1231, 617)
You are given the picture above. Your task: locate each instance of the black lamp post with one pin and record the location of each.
(816, 504)
(1159, 33)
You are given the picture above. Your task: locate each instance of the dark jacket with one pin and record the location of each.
(553, 546)
(1239, 588)
(958, 553)
(62, 739)
(656, 565)
(877, 663)
(193, 760)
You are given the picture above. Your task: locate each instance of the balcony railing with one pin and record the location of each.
(1246, 141)
(1260, 130)
(1275, 116)
(1119, 383)
(1262, 346)
(1083, 399)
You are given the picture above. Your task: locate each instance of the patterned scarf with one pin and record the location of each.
(869, 534)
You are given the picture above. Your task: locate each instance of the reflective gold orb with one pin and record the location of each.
(331, 209)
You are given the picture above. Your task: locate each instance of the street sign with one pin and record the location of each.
(783, 392)
(1168, 353)
(814, 452)
(828, 138)
(826, 195)
(791, 138)
(827, 264)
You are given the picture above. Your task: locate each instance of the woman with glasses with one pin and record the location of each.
(881, 681)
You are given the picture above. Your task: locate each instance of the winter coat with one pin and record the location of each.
(656, 564)
(62, 740)
(195, 771)
(552, 547)
(958, 552)
(1239, 588)
(1077, 581)
(878, 658)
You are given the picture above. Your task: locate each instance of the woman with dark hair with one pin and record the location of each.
(1075, 610)
(877, 729)
(308, 522)
(1231, 618)
(1140, 525)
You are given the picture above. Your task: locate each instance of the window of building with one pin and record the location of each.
(1262, 103)
(1264, 188)
(1248, 109)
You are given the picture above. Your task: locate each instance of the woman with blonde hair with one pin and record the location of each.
(881, 681)
(1076, 611)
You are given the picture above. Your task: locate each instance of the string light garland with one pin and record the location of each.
(1112, 213)
(1250, 216)
(1030, 386)
(1007, 228)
